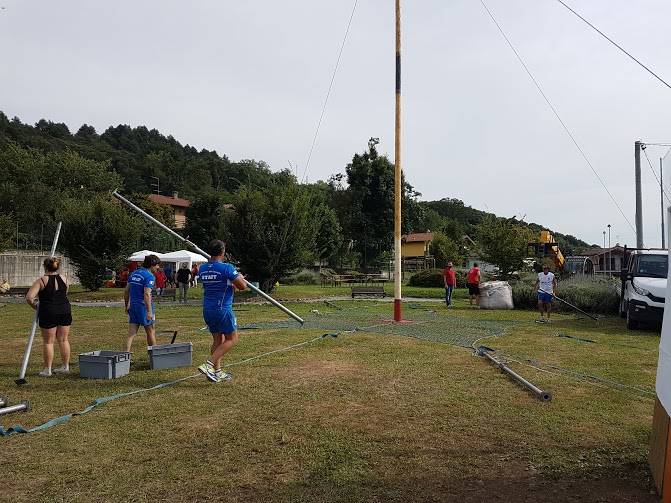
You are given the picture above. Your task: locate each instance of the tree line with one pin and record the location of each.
(272, 223)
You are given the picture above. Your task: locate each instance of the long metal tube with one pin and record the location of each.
(19, 407)
(569, 304)
(544, 396)
(33, 330)
(204, 254)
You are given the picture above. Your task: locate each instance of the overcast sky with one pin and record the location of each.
(249, 78)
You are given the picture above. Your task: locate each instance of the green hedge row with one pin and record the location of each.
(593, 294)
(434, 278)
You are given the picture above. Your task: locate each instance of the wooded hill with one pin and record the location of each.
(130, 157)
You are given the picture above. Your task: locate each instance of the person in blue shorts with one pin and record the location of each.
(137, 298)
(546, 284)
(219, 280)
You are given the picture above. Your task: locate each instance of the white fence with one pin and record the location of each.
(23, 267)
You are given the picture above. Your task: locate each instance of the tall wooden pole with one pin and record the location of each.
(398, 316)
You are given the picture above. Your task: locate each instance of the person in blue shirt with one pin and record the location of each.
(137, 298)
(219, 280)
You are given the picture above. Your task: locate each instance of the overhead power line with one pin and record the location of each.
(659, 182)
(556, 114)
(328, 92)
(616, 45)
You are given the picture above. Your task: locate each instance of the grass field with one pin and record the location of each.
(366, 416)
(282, 292)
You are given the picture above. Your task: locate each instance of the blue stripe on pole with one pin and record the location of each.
(398, 72)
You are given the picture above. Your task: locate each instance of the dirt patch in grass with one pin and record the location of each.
(320, 370)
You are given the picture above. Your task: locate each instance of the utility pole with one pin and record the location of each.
(639, 204)
(398, 315)
(661, 196)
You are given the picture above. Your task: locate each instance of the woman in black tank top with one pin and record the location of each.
(48, 295)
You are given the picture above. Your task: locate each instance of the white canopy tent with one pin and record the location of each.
(140, 255)
(177, 257)
(182, 257)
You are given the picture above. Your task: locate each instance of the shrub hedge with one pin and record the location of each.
(434, 278)
(301, 278)
(593, 294)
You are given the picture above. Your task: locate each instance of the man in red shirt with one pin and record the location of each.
(450, 278)
(161, 280)
(473, 284)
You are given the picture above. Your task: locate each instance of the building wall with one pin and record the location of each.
(180, 218)
(414, 249)
(601, 262)
(24, 267)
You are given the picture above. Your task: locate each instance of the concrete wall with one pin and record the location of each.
(24, 267)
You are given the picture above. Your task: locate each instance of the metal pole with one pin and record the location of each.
(33, 330)
(604, 253)
(398, 315)
(569, 304)
(661, 196)
(639, 204)
(19, 407)
(204, 254)
(544, 396)
(610, 254)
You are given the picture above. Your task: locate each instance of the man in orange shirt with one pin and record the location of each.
(473, 284)
(450, 278)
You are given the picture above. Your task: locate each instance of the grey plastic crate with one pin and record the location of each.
(168, 356)
(104, 364)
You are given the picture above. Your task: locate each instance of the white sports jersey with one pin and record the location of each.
(545, 281)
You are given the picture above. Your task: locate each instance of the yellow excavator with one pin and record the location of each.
(548, 247)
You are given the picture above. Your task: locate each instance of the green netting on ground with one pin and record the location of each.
(421, 322)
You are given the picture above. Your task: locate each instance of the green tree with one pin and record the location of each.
(150, 236)
(445, 250)
(271, 232)
(34, 184)
(205, 218)
(371, 203)
(96, 234)
(503, 242)
(329, 234)
(7, 229)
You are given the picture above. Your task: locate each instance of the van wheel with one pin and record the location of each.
(632, 324)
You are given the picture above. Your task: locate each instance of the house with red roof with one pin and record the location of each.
(177, 204)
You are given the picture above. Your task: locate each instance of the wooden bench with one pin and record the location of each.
(17, 291)
(169, 293)
(368, 291)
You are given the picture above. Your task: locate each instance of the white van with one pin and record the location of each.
(644, 287)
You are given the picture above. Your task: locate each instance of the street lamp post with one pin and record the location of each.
(604, 252)
(610, 253)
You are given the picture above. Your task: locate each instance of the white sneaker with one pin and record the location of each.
(61, 370)
(45, 373)
(223, 376)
